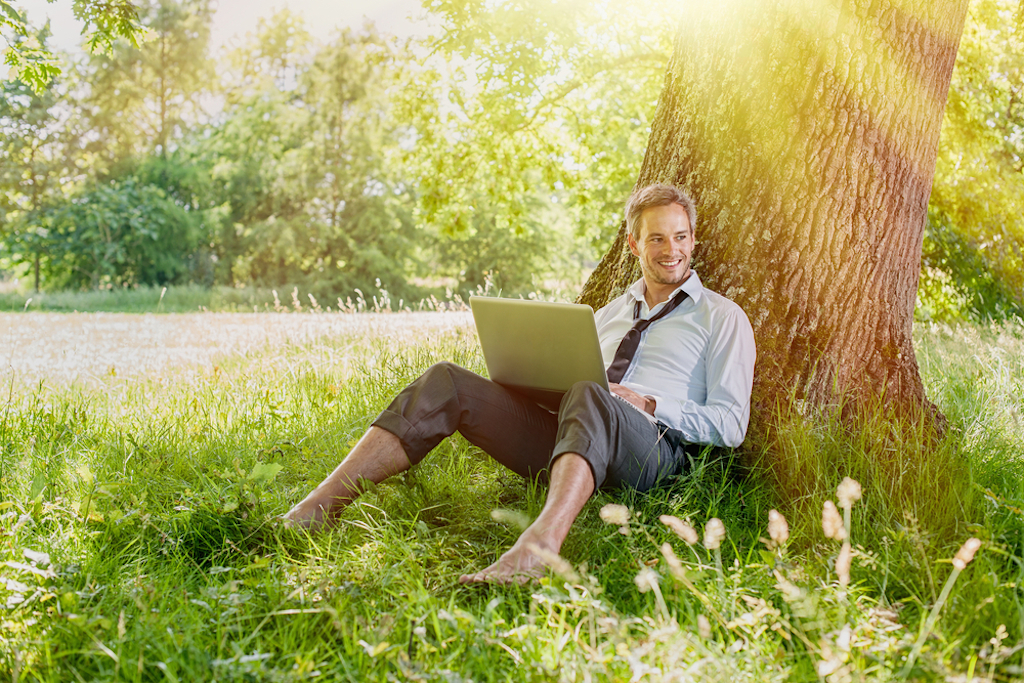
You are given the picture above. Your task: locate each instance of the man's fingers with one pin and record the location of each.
(629, 395)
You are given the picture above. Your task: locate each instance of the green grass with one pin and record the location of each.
(137, 538)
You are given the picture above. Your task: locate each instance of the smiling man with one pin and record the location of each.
(680, 362)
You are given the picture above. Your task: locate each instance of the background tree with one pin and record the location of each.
(31, 62)
(143, 99)
(306, 159)
(39, 153)
(115, 234)
(538, 111)
(973, 260)
(808, 136)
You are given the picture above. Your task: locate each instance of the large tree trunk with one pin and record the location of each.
(807, 133)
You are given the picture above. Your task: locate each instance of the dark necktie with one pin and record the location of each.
(631, 342)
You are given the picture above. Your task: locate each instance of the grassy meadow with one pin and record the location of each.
(138, 538)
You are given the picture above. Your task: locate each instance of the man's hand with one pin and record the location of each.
(644, 403)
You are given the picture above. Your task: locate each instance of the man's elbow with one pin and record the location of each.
(733, 433)
(732, 439)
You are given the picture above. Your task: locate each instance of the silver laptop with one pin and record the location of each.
(537, 348)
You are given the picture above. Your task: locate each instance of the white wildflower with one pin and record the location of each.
(672, 560)
(714, 532)
(555, 562)
(848, 493)
(680, 528)
(778, 527)
(615, 514)
(827, 667)
(966, 553)
(831, 522)
(844, 638)
(646, 579)
(703, 627)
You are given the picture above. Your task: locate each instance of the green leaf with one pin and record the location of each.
(264, 472)
(85, 473)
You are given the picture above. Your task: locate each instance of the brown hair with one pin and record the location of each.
(659, 194)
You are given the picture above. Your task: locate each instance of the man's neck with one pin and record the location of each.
(657, 293)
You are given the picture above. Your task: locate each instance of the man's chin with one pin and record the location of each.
(676, 278)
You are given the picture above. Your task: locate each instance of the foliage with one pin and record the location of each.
(41, 161)
(137, 538)
(973, 261)
(303, 160)
(116, 234)
(32, 63)
(142, 99)
(500, 151)
(536, 99)
(37, 140)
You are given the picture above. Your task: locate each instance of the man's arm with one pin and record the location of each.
(722, 420)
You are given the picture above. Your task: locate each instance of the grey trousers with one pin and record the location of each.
(622, 446)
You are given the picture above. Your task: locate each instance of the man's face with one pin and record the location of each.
(665, 245)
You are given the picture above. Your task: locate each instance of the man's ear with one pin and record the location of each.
(632, 245)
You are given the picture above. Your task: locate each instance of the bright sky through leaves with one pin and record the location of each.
(236, 17)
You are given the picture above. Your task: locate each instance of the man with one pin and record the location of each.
(680, 378)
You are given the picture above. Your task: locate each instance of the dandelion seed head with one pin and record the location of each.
(966, 553)
(848, 493)
(778, 527)
(613, 513)
(714, 532)
(832, 522)
(680, 528)
(646, 579)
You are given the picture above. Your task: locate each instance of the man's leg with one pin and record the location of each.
(572, 484)
(445, 399)
(377, 456)
(600, 440)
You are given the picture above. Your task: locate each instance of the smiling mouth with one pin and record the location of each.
(670, 264)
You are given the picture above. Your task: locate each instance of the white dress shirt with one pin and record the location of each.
(697, 362)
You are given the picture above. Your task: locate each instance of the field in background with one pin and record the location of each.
(137, 535)
(193, 298)
(90, 348)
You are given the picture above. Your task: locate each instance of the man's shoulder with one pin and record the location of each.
(722, 307)
(720, 301)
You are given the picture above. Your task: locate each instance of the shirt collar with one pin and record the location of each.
(693, 287)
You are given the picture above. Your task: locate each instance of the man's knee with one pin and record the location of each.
(447, 373)
(444, 367)
(586, 391)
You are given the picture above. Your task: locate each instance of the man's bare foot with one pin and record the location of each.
(306, 515)
(522, 563)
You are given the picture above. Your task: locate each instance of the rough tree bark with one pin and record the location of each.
(807, 133)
